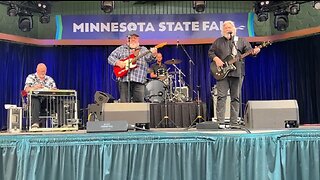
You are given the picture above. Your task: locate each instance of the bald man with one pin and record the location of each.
(38, 81)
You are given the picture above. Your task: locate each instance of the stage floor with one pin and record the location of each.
(174, 130)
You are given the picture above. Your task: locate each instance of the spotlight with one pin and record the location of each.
(316, 4)
(281, 21)
(199, 6)
(294, 9)
(107, 6)
(12, 10)
(25, 23)
(44, 18)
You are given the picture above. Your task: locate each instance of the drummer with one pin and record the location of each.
(158, 69)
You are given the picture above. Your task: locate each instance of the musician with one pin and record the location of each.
(229, 44)
(38, 81)
(158, 69)
(137, 76)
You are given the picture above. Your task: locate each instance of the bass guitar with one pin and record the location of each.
(220, 73)
(131, 61)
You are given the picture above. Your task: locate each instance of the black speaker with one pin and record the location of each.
(101, 97)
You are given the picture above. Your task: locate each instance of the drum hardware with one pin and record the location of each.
(199, 117)
(166, 118)
(178, 94)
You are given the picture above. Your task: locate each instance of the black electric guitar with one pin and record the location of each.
(220, 73)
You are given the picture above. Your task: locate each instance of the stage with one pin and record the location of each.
(163, 153)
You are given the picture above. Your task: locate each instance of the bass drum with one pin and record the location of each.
(155, 90)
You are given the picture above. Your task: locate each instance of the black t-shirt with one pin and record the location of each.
(155, 67)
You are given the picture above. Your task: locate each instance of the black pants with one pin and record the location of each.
(137, 92)
(41, 106)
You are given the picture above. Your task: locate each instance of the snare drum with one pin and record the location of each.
(162, 74)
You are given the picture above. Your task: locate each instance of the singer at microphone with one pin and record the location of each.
(177, 43)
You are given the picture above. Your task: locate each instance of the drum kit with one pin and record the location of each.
(168, 85)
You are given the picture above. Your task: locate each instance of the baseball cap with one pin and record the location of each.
(133, 33)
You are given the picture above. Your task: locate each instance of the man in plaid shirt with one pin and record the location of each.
(137, 76)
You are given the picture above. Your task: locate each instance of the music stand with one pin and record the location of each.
(199, 117)
(166, 115)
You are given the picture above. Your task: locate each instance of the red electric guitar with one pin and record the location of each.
(132, 59)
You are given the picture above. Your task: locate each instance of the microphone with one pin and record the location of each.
(230, 34)
(177, 43)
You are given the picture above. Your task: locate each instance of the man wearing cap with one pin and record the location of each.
(136, 76)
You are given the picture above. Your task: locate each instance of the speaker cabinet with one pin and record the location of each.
(214, 93)
(134, 113)
(275, 114)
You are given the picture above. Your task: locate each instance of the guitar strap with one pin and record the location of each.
(234, 50)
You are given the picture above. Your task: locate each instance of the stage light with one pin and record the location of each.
(294, 9)
(316, 4)
(12, 10)
(25, 23)
(262, 16)
(281, 21)
(107, 6)
(199, 6)
(44, 18)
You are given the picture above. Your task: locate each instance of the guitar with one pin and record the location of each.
(220, 73)
(132, 59)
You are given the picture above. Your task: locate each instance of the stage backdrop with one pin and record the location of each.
(284, 70)
(160, 26)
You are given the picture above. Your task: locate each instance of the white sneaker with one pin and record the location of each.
(222, 126)
(35, 125)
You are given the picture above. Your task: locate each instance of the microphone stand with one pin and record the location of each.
(190, 70)
(129, 73)
(199, 117)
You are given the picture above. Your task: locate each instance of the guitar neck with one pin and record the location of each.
(134, 60)
(243, 55)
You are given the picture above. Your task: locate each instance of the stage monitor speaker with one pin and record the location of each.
(137, 114)
(273, 114)
(101, 97)
(94, 112)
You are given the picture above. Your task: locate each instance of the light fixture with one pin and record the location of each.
(25, 23)
(262, 16)
(12, 10)
(281, 21)
(44, 18)
(199, 6)
(107, 6)
(316, 4)
(294, 9)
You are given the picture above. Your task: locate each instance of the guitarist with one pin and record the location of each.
(220, 50)
(136, 76)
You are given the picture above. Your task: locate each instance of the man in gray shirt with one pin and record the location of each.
(227, 47)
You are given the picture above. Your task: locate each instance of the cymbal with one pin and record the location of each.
(173, 61)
